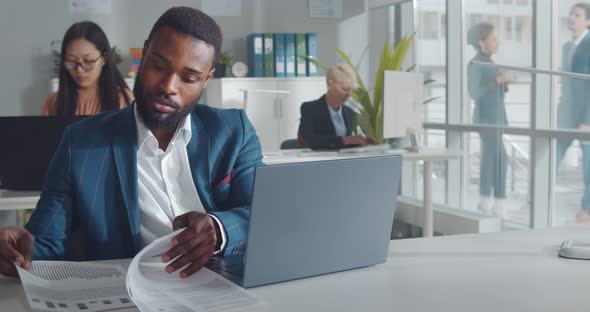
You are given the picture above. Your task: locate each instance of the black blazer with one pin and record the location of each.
(316, 127)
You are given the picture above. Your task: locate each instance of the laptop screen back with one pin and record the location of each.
(320, 217)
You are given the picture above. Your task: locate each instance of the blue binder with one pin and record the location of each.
(290, 55)
(279, 45)
(255, 55)
(312, 51)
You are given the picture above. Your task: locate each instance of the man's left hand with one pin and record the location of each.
(195, 245)
(584, 127)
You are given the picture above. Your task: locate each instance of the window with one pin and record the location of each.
(508, 28)
(429, 26)
(507, 131)
(522, 29)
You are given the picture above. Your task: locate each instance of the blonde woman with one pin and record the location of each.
(326, 123)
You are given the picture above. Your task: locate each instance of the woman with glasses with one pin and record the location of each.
(89, 81)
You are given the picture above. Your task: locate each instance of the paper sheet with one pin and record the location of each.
(153, 289)
(74, 286)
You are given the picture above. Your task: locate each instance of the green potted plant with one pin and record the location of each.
(116, 55)
(223, 60)
(370, 117)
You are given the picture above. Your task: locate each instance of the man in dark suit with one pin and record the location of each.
(326, 123)
(574, 105)
(121, 179)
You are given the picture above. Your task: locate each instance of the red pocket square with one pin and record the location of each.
(227, 179)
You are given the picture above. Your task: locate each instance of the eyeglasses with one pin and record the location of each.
(86, 65)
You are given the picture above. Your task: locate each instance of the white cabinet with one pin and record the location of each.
(272, 104)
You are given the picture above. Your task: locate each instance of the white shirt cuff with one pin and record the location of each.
(223, 236)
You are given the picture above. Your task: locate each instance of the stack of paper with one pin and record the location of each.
(153, 289)
(74, 286)
(85, 286)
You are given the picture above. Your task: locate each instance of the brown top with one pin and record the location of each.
(88, 102)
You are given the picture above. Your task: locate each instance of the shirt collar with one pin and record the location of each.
(580, 38)
(332, 112)
(184, 131)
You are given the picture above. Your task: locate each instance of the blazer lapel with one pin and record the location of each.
(124, 134)
(198, 155)
(579, 57)
(348, 119)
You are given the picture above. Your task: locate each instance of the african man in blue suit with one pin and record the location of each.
(573, 111)
(121, 179)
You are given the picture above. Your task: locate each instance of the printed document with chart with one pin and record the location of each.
(74, 286)
(86, 286)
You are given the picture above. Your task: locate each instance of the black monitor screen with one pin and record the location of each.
(28, 144)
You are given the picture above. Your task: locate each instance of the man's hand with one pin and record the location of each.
(584, 127)
(504, 77)
(16, 245)
(195, 245)
(354, 140)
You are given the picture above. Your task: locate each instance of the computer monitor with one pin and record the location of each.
(402, 103)
(28, 144)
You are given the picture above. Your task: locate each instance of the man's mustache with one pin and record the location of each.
(165, 100)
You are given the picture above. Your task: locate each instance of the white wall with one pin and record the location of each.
(28, 26)
(353, 39)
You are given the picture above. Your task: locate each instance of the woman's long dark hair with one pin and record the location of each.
(110, 82)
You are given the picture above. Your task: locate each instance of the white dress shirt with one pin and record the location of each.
(337, 121)
(165, 185)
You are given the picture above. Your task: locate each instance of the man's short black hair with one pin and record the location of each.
(584, 6)
(192, 22)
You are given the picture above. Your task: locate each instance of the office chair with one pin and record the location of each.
(289, 144)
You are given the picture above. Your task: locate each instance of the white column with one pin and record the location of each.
(541, 169)
(455, 100)
(427, 227)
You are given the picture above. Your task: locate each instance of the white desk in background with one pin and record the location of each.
(426, 155)
(19, 201)
(506, 271)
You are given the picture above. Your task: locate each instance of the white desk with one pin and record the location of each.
(11, 200)
(427, 156)
(508, 271)
(19, 201)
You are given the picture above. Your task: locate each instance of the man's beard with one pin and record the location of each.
(146, 115)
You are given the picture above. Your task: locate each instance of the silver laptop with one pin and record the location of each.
(315, 218)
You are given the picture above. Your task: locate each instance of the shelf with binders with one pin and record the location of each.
(282, 54)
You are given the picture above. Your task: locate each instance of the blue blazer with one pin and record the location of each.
(574, 104)
(88, 209)
(487, 95)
